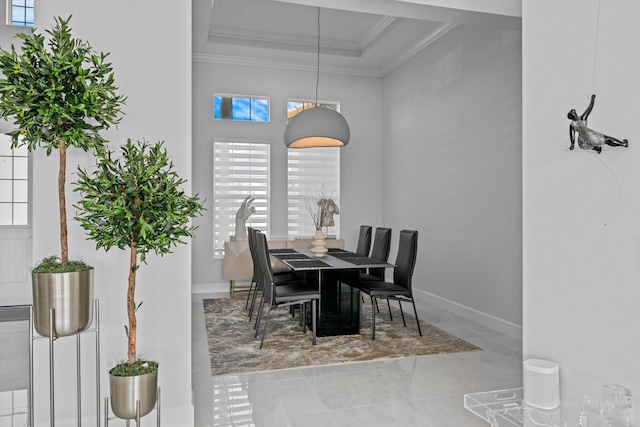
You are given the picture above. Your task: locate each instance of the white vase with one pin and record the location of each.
(319, 244)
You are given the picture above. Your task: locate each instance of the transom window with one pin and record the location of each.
(240, 169)
(240, 108)
(14, 183)
(22, 13)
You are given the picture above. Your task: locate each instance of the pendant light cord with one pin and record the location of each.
(318, 60)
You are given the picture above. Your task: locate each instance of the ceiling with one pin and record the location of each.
(365, 37)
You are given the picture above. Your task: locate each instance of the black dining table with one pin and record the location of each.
(339, 311)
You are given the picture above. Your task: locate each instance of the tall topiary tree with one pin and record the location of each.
(135, 202)
(59, 94)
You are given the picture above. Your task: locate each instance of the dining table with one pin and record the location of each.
(339, 310)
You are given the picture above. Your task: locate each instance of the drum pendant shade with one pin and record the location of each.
(317, 127)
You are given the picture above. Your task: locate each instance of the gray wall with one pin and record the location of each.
(361, 186)
(581, 210)
(452, 170)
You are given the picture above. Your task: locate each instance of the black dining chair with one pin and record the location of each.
(401, 287)
(281, 275)
(364, 241)
(298, 292)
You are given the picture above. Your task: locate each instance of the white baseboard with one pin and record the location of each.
(488, 320)
(206, 288)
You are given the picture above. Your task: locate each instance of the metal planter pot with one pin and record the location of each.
(71, 297)
(125, 391)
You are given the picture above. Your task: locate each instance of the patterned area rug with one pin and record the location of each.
(234, 350)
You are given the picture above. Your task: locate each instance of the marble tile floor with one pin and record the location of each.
(418, 391)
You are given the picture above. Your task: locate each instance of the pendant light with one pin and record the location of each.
(317, 126)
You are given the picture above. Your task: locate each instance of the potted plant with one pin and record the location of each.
(135, 202)
(59, 94)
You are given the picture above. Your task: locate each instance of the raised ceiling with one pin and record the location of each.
(359, 37)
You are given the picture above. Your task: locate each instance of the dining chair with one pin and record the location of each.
(295, 292)
(364, 240)
(401, 287)
(281, 275)
(380, 251)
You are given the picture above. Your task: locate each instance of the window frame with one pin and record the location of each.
(25, 6)
(240, 96)
(27, 227)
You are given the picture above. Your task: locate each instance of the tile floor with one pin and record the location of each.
(418, 391)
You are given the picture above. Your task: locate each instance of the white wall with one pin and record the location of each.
(581, 210)
(361, 178)
(152, 63)
(452, 171)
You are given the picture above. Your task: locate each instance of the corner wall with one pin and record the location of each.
(452, 171)
(581, 210)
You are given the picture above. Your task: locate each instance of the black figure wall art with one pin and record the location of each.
(589, 139)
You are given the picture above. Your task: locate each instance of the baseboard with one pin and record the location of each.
(175, 416)
(206, 288)
(488, 320)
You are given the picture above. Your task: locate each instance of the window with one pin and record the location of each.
(295, 106)
(240, 169)
(310, 171)
(14, 184)
(240, 108)
(22, 13)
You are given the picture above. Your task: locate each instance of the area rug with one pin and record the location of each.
(234, 350)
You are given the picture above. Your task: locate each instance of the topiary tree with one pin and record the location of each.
(59, 94)
(135, 202)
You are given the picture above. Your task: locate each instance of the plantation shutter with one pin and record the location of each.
(240, 169)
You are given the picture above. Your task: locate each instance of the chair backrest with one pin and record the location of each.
(380, 251)
(265, 272)
(364, 240)
(251, 238)
(406, 258)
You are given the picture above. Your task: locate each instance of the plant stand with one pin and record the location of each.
(33, 335)
(106, 411)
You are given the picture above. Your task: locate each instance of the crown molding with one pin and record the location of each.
(294, 65)
(417, 47)
(280, 64)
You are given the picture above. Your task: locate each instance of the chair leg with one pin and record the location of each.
(313, 319)
(374, 304)
(246, 304)
(259, 315)
(303, 316)
(401, 313)
(266, 325)
(416, 313)
(389, 306)
(253, 303)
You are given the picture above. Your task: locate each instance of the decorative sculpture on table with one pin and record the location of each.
(242, 215)
(321, 208)
(589, 139)
(327, 209)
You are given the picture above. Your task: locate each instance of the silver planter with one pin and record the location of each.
(125, 391)
(71, 297)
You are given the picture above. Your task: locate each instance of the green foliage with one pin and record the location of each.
(65, 92)
(140, 367)
(52, 265)
(136, 201)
